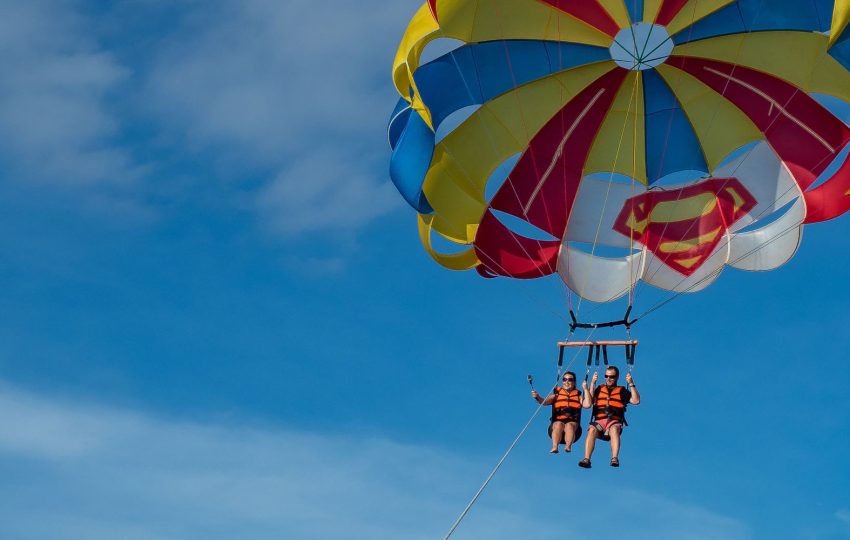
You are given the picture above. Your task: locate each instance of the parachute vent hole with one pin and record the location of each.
(764, 221)
(452, 121)
(615, 178)
(438, 48)
(522, 227)
(499, 175)
(679, 179)
(601, 250)
(444, 245)
(832, 168)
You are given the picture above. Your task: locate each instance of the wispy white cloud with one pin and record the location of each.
(287, 98)
(56, 126)
(99, 473)
(297, 88)
(843, 516)
(324, 190)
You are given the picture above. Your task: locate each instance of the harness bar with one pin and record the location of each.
(588, 343)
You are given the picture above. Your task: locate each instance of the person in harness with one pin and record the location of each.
(566, 402)
(609, 403)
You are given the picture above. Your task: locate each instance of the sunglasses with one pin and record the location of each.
(610, 376)
(568, 379)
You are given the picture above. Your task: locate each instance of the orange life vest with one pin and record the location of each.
(610, 403)
(567, 406)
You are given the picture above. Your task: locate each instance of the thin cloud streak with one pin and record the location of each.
(100, 473)
(843, 516)
(296, 88)
(341, 196)
(282, 104)
(55, 84)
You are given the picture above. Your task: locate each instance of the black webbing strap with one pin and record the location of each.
(605, 354)
(622, 322)
(560, 358)
(630, 354)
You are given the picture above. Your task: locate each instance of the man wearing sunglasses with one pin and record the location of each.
(609, 403)
(566, 402)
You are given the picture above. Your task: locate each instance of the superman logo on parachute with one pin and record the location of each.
(682, 227)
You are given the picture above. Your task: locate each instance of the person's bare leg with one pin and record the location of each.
(589, 442)
(614, 432)
(557, 435)
(570, 434)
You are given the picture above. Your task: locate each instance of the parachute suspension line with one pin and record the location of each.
(528, 295)
(711, 124)
(493, 145)
(568, 292)
(493, 472)
(632, 279)
(632, 99)
(525, 291)
(743, 256)
(522, 117)
(514, 443)
(711, 275)
(524, 122)
(664, 152)
(471, 184)
(676, 295)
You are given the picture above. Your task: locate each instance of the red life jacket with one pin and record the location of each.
(567, 406)
(610, 403)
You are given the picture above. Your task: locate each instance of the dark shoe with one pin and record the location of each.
(584, 464)
(615, 462)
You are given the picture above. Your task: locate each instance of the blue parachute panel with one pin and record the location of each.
(761, 15)
(671, 144)
(635, 8)
(841, 50)
(412, 153)
(476, 73)
(398, 121)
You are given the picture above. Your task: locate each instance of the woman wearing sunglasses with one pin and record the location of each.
(566, 402)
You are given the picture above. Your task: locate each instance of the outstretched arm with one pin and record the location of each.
(633, 389)
(550, 399)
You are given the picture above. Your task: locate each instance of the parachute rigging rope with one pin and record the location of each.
(711, 124)
(569, 293)
(492, 261)
(712, 274)
(632, 99)
(794, 185)
(493, 472)
(509, 450)
(667, 139)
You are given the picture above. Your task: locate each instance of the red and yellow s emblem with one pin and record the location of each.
(683, 226)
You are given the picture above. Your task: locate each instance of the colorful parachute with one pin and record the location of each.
(683, 135)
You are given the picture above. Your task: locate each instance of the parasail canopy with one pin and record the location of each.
(655, 140)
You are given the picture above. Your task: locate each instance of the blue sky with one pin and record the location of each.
(217, 321)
